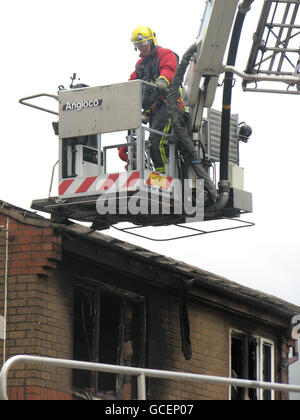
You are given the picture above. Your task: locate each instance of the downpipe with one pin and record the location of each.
(5, 288)
(224, 184)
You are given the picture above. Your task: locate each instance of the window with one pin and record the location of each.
(251, 358)
(108, 328)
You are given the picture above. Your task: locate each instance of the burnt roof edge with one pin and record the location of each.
(202, 278)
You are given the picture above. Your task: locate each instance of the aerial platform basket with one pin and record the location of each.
(86, 186)
(96, 186)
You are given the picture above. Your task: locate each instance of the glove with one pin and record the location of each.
(162, 83)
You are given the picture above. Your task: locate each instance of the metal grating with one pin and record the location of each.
(275, 53)
(213, 136)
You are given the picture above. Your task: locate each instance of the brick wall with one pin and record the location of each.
(39, 317)
(39, 322)
(209, 337)
(210, 332)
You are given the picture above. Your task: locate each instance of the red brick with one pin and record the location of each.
(33, 263)
(13, 393)
(50, 394)
(126, 392)
(28, 239)
(46, 254)
(44, 394)
(33, 397)
(21, 393)
(33, 393)
(30, 247)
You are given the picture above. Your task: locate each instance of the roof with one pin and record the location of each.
(204, 281)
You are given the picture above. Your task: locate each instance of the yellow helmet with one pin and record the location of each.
(143, 34)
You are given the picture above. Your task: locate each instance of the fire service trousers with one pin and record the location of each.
(159, 150)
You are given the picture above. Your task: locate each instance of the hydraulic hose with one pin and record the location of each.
(244, 7)
(184, 141)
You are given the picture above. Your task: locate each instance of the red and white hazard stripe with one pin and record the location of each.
(125, 181)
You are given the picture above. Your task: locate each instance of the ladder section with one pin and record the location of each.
(275, 53)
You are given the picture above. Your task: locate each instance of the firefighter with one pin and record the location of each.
(156, 65)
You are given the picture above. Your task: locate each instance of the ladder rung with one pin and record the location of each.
(284, 1)
(277, 73)
(276, 49)
(282, 25)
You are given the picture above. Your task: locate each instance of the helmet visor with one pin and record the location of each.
(141, 40)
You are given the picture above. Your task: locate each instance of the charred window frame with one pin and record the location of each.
(252, 358)
(109, 327)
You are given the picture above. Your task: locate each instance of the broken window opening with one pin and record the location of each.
(110, 338)
(106, 323)
(252, 358)
(83, 333)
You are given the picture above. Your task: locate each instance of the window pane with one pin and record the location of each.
(110, 339)
(267, 369)
(83, 335)
(244, 364)
(237, 365)
(252, 343)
